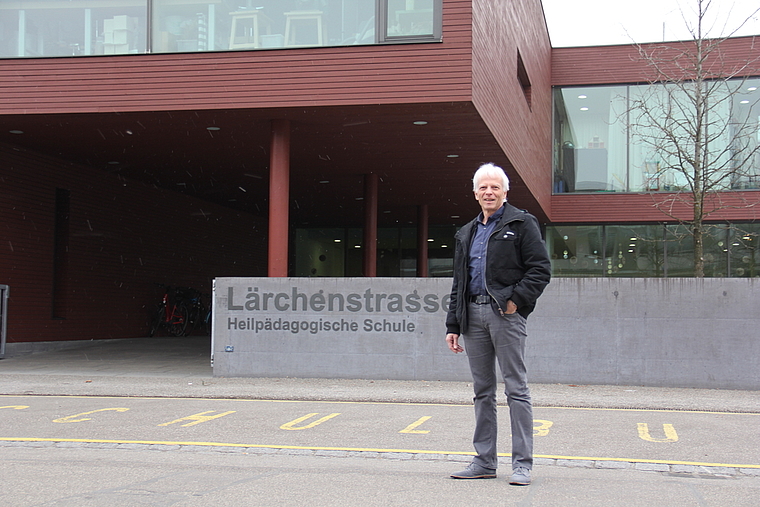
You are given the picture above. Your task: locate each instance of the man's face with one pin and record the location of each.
(490, 194)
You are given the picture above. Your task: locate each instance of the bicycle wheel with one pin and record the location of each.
(157, 320)
(177, 326)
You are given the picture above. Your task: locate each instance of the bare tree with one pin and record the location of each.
(699, 137)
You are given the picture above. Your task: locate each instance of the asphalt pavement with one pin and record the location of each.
(144, 422)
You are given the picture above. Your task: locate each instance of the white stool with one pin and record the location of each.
(251, 39)
(300, 18)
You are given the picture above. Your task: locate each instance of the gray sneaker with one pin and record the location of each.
(520, 476)
(475, 471)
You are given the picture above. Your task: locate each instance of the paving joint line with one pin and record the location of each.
(680, 469)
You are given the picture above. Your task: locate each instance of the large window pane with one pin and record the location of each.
(33, 28)
(406, 18)
(63, 28)
(320, 252)
(642, 138)
(745, 250)
(441, 251)
(680, 251)
(591, 144)
(576, 250)
(207, 25)
(634, 251)
(745, 122)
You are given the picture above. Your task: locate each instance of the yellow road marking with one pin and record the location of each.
(668, 429)
(418, 422)
(70, 418)
(198, 418)
(292, 424)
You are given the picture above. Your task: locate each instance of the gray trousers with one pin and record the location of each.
(490, 338)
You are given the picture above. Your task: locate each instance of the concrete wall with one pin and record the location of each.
(657, 332)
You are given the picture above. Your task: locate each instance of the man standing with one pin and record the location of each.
(501, 267)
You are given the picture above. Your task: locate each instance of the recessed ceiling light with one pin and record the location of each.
(582, 96)
(454, 216)
(430, 240)
(213, 128)
(420, 123)
(16, 131)
(452, 156)
(584, 109)
(744, 102)
(752, 88)
(336, 240)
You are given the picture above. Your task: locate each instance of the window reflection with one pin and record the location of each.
(339, 252)
(62, 28)
(35, 28)
(603, 144)
(652, 250)
(744, 241)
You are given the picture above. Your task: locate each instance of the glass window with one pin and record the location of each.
(745, 250)
(441, 251)
(652, 250)
(591, 146)
(210, 25)
(63, 28)
(320, 252)
(576, 250)
(339, 252)
(640, 138)
(410, 19)
(745, 123)
(634, 250)
(32, 28)
(680, 251)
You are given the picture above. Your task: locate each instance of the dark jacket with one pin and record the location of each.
(517, 266)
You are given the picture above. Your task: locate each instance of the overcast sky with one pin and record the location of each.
(601, 22)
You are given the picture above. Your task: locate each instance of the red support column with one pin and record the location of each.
(370, 224)
(422, 240)
(279, 198)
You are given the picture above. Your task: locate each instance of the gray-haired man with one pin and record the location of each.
(501, 267)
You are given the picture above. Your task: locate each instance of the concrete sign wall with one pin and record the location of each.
(670, 332)
(634, 331)
(371, 328)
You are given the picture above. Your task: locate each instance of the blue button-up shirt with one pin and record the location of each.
(478, 250)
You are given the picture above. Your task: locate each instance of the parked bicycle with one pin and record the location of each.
(198, 314)
(182, 310)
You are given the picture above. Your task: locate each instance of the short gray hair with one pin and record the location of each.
(489, 171)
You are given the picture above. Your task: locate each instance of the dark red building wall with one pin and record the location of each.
(517, 112)
(123, 238)
(622, 64)
(626, 208)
